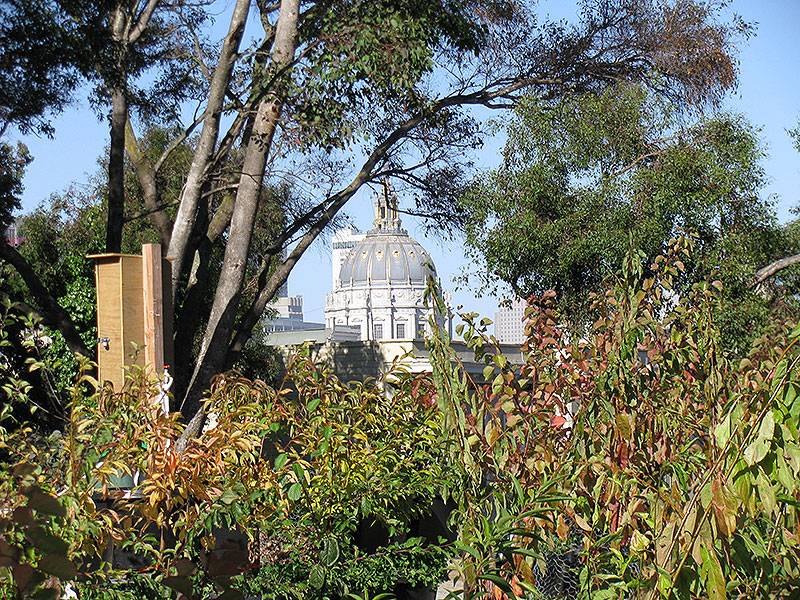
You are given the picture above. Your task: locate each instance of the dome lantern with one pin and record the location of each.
(387, 254)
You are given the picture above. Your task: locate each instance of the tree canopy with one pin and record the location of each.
(585, 179)
(326, 98)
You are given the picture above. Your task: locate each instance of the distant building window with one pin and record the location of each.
(401, 331)
(420, 329)
(377, 331)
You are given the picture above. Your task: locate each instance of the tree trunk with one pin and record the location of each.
(213, 351)
(147, 179)
(192, 189)
(116, 83)
(116, 169)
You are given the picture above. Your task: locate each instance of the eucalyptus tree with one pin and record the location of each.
(333, 95)
(585, 179)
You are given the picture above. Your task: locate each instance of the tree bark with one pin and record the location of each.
(51, 312)
(147, 179)
(773, 268)
(190, 197)
(116, 169)
(116, 82)
(213, 351)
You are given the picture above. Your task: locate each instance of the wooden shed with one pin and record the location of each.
(134, 316)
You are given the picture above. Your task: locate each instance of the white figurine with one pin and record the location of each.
(164, 385)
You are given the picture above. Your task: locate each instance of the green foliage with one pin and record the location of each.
(367, 56)
(586, 179)
(667, 466)
(30, 384)
(12, 167)
(299, 468)
(38, 66)
(640, 460)
(351, 455)
(294, 577)
(393, 446)
(128, 586)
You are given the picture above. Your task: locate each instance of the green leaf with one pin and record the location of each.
(280, 461)
(711, 572)
(792, 453)
(767, 429)
(706, 495)
(722, 432)
(767, 493)
(228, 497)
(756, 452)
(295, 492)
(316, 577)
(789, 396)
(329, 552)
(498, 382)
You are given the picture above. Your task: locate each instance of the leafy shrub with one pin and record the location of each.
(637, 461)
(676, 467)
(304, 464)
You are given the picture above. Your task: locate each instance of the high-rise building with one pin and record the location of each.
(509, 322)
(289, 311)
(344, 240)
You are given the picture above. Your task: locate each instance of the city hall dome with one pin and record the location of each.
(386, 256)
(379, 285)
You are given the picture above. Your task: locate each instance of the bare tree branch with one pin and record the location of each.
(774, 268)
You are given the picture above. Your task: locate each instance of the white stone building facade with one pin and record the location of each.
(380, 283)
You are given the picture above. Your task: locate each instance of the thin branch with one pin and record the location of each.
(773, 268)
(222, 188)
(50, 310)
(173, 145)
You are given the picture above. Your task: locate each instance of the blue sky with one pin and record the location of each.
(768, 95)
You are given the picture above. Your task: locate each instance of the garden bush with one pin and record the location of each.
(638, 460)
